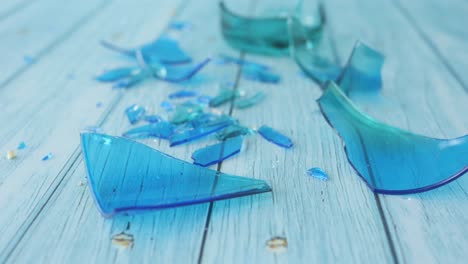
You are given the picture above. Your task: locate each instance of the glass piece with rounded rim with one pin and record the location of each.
(161, 129)
(248, 101)
(275, 137)
(129, 177)
(218, 152)
(267, 35)
(135, 113)
(391, 160)
(318, 173)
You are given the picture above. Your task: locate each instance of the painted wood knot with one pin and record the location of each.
(123, 240)
(277, 244)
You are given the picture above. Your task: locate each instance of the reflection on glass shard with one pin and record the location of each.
(250, 101)
(376, 150)
(233, 131)
(163, 50)
(128, 177)
(216, 153)
(267, 35)
(260, 75)
(135, 113)
(21, 145)
(275, 137)
(182, 94)
(48, 156)
(161, 129)
(225, 95)
(200, 131)
(318, 173)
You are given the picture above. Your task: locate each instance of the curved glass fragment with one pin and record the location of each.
(391, 160)
(128, 177)
(268, 35)
(275, 137)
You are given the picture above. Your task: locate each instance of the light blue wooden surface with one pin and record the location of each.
(47, 216)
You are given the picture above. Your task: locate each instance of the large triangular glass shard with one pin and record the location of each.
(129, 177)
(163, 50)
(391, 160)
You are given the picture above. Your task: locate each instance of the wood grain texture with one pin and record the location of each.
(61, 88)
(421, 95)
(28, 35)
(442, 26)
(10, 7)
(169, 236)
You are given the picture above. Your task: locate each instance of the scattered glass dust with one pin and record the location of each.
(10, 154)
(275, 137)
(317, 173)
(277, 244)
(22, 145)
(123, 240)
(48, 156)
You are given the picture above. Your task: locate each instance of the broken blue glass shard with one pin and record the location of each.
(177, 73)
(182, 94)
(48, 156)
(128, 177)
(199, 132)
(216, 153)
(153, 118)
(134, 78)
(248, 101)
(168, 106)
(275, 137)
(163, 50)
(161, 129)
(180, 25)
(21, 145)
(225, 59)
(318, 173)
(260, 75)
(233, 131)
(135, 113)
(204, 99)
(391, 160)
(117, 74)
(269, 35)
(225, 95)
(185, 112)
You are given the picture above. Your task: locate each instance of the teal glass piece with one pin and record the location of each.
(201, 131)
(182, 94)
(391, 160)
(267, 35)
(21, 145)
(225, 95)
(128, 177)
(245, 102)
(161, 129)
(233, 131)
(153, 118)
(117, 74)
(260, 75)
(185, 112)
(204, 99)
(225, 59)
(275, 137)
(135, 113)
(318, 173)
(48, 156)
(216, 153)
(163, 50)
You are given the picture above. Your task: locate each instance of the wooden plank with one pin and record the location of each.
(421, 95)
(28, 35)
(324, 222)
(48, 106)
(79, 233)
(10, 7)
(442, 26)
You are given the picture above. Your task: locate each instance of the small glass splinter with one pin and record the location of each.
(135, 113)
(224, 96)
(48, 156)
(249, 101)
(216, 153)
(318, 173)
(129, 177)
(275, 137)
(21, 145)
(391, 160)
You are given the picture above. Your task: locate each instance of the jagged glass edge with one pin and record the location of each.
(256, 20)
(363, 115)
(94, 193)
